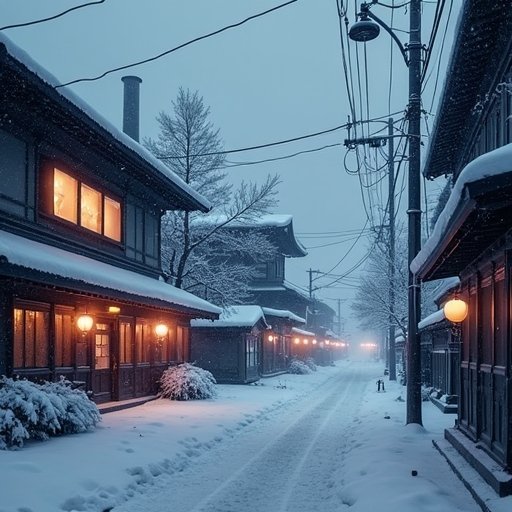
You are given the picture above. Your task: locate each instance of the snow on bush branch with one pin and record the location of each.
(38, 411)
(187, 382)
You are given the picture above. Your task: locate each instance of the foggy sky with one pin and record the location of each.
(276, 77)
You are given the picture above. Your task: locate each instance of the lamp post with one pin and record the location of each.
(366, 30)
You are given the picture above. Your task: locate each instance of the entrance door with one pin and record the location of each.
(104, 363)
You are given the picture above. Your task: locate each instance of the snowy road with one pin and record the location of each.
(292, 460)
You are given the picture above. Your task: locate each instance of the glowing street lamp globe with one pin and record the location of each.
(455, 310)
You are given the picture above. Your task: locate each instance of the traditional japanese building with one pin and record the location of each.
(81, 293)
(472, 238)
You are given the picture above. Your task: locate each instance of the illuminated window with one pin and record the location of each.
(125, 342)
(102, 345)
(98, 212)
(31, 339)
(90, 209)
(63, 340)
(64, 196)
(112, 219)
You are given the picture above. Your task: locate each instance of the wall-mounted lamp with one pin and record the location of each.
(314, 342)
(455, 310)
(296, 341)
(161, 330)
(305, 341)
(84, 323)
(270, 338)
(114, 310)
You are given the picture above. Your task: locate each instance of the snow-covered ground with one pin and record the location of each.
(325, 441)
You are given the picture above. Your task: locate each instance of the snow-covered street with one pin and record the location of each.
(293, 461)
(327, 441)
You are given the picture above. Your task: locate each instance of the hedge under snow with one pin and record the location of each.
(187, 382)
(38, 411)
(299, 367)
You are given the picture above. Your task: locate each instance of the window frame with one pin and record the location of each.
(47, 200)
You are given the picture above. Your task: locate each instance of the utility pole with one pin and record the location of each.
(391, 354)
(414, 213)
(378, 142)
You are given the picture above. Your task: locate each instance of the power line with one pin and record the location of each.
(270, 144)
(285, 157)
(54, 17)
(167, 52)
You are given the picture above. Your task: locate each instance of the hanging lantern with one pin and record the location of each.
(161, 330)
(455, 310)
(85, 323)
(271, 338)
(296, 341)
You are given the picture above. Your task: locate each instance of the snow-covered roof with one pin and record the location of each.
(22, 57)
(445, 286)
(434, 318)
(58, 262)
(234, 316)
(302, 332)
(490, 164)
(283, 313)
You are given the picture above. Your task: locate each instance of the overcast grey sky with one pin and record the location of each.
(276, 77)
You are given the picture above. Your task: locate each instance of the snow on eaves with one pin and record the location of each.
(435, 318)
(445, 286)
(234, 316)
(52, 260)
(21, 56)
(302, 332)
(493, 163)
(283, 313)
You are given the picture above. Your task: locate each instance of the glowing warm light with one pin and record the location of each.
(112, 227)
(114, 309)
(327, 342)
(455, 310)
(271, 338)
(64, 196)
(368, 345)
(85, 323)
(90, 208)
(296, 341)
(314, 342)
(161, 330)
(305, 341)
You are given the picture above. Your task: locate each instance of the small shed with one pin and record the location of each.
(230, 347)
(275, 349)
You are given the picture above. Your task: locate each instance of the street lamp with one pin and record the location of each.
(366, 30)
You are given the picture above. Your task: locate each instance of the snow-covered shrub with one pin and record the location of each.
(187, 382)
(75, 411)
(298, 367)
(425, 393)
(310, 363)
(38, 411)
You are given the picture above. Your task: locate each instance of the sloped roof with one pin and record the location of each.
(477, 213)
(481, 51)
(84, 118)
(234, 316)
(278, 227)
(433, 319)
(283, 313)
(79, 273)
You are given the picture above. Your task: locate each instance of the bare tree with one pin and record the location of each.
(190, 145)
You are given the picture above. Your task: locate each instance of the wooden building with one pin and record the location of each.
(230, 347)
(472, 238)
(440, 341)
(80, 209)
(275, 352)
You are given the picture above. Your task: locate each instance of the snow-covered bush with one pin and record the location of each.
(38, 411)
(187, 382)
(298, 367)
(75, 412)
(310, 363)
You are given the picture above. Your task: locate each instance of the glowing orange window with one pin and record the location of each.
(64, 196)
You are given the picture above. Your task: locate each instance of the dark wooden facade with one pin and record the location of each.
(80, 209)
(473, 239)
(231, 347)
